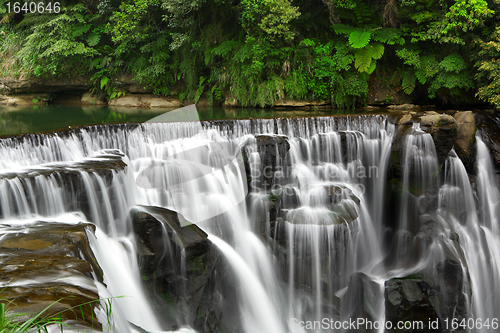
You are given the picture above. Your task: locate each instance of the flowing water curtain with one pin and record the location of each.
(324, 212)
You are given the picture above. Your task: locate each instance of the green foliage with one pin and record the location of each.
(270, 18)
(129, 23)
(332, 75)
(466, 15)
(17, 323)
(408, 82)
(448, 76)
(261, 51)
(359, 39)
(57, 46)
(489, 69)
(365, 57)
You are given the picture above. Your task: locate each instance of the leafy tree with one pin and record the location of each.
(269, 18)
(489, 69)
(60, 44)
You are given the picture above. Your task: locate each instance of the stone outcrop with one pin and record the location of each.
(127, 83)
(299, 103)
(25, 99)
(466, 133)
(39, 264)
(487, 122)
(273, 152)
(22, 85)
(421, 297)
(182, 270)
(89, 99)
(443, 129)
(145, 101)
(403, 107)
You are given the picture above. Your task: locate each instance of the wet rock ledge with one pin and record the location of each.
(48, 267)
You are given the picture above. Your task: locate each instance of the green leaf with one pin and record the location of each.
(362, 60)
(453, 63)
(409, 80)
(104, 81)
(80, 30)
(389, 36)
(421, 77)
(343, 29)
(198, 94)
(208, 55)
(377, 50)
(371, 68)
(93, 39)
(359, 39)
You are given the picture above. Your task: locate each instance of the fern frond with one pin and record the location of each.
(421, 77)
(409, 80)
(377, 50)
(362, 60)
(93, 39)
(343, 29)
(359, 38)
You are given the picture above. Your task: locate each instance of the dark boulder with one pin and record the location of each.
(273, 153)
(183, 271)
(428, 297)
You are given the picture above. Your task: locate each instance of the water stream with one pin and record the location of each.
(307, 226)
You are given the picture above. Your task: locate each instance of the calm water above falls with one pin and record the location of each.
(328, 229)
(34, 119)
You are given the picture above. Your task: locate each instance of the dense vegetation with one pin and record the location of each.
(258, 51)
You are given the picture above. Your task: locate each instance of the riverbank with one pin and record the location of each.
(78, 91)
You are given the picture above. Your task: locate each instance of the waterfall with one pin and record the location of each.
(298, 208)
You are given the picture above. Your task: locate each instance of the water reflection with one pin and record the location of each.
(32, 119)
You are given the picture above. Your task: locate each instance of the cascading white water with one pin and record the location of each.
(296, 264)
